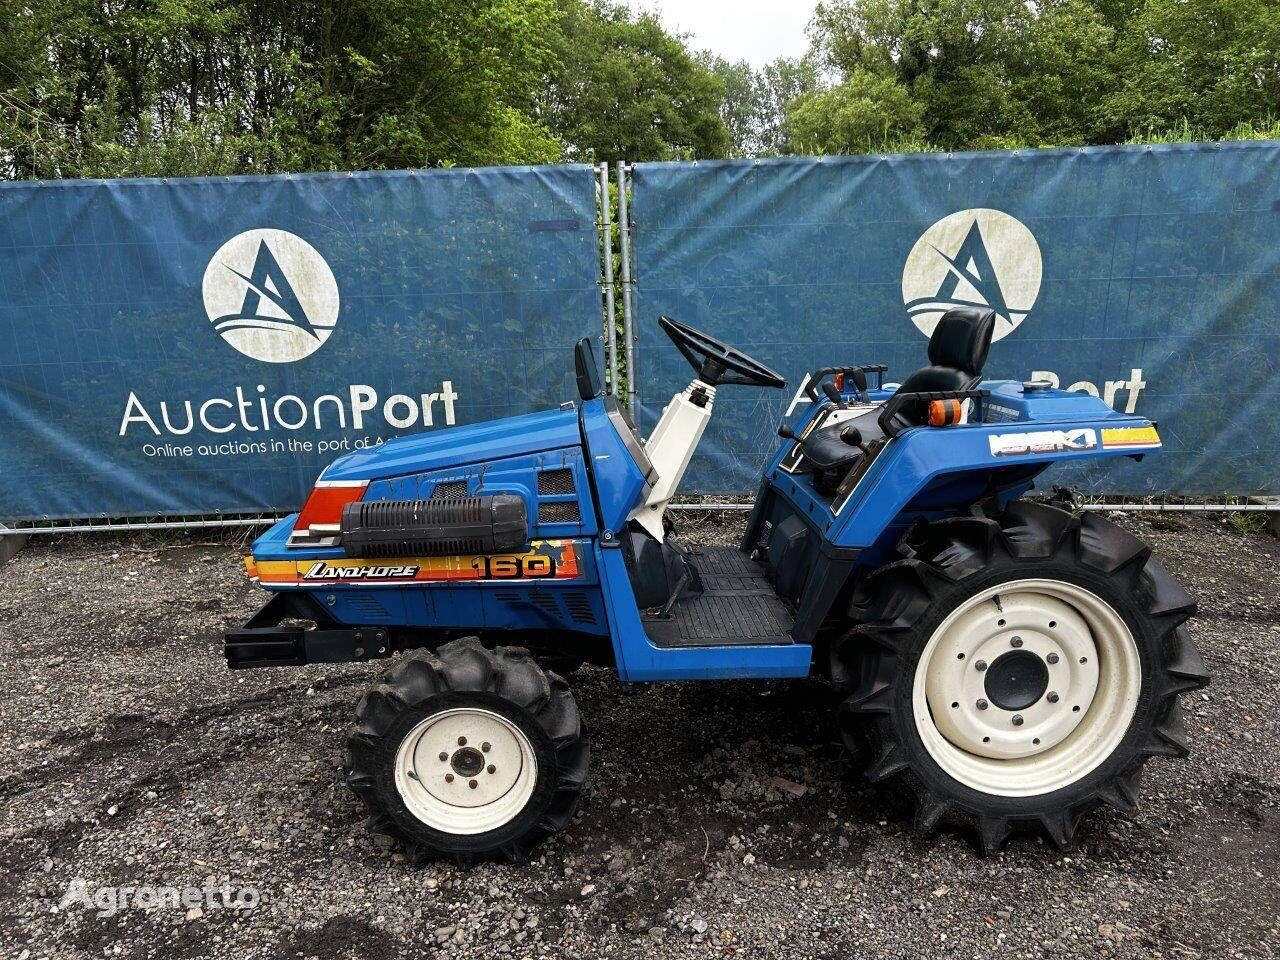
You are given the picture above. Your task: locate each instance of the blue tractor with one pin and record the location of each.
(1009, 664)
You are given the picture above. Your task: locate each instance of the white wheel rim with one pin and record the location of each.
(465, 771)
(1011, 744)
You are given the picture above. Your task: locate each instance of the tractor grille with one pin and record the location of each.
(576, 605)
(369, 608)
(551, 482)
(579, 607)
(540, 599)
(449, 490)
(566, 512)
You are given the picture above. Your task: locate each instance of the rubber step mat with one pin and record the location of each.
(738, 607)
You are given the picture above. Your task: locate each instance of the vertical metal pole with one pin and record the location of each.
(628, 329)
(10, 544)
(610, 315)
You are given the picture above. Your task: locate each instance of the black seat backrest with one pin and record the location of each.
(957, 353)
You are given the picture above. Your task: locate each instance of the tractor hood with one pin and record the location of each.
(458, 446)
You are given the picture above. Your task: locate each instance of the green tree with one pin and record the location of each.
(782, 82)
(741, 106)
(91, 88)
(755, 102)
(627, 89)
(1210, 64)
(866, 112)
(1062, 72)
(419, 81)
(174, 87)
(985, 72)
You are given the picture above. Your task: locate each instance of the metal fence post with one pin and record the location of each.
(628, 329)
(10, 544)
(610, 314)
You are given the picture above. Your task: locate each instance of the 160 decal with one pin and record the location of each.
(529, 566)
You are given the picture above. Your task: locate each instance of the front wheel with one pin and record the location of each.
(468, 753)
(1015, 672)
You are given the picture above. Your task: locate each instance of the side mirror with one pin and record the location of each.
(590, 383)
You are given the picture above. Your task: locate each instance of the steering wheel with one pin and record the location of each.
(715, 361)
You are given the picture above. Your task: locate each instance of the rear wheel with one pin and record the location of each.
(1015, 672)
(468, 753)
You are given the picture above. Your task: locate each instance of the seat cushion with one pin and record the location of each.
(929, 379)
(937, 378)
(825, 450)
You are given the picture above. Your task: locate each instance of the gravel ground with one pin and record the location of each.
(133, 757)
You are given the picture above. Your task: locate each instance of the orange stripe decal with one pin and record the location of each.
(1130, 437)
(545, 560)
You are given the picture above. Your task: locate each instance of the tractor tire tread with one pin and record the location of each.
(888, 605)
(466, 665)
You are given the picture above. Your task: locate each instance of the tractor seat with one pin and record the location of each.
(957, 352)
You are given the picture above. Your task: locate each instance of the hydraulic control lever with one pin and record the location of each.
(853, 437)
(860, 381)
(833, 394)
(858, 373)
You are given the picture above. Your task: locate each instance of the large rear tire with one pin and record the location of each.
(1013, 673)
(468, 753)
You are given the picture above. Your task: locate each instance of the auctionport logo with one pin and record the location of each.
(271, 295)
(973, 258)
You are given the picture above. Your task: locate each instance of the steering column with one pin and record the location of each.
(670, 447)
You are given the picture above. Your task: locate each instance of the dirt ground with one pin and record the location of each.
(132, 757)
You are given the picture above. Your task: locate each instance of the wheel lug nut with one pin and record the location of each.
(1016, 641)
(1052, 658)
(1017, 719)
(982, 704)
(448, 778)
(492, 769)
(980, 665)
(462, 741)
(472, 784)
(1052, 697)
(486, 746)
(443, 756)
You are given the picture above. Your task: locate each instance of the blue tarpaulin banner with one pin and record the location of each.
(190, 346)
(1149, 276)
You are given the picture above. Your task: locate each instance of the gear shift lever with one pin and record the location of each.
(853, 437)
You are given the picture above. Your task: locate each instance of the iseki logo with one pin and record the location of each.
(1042, 441)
